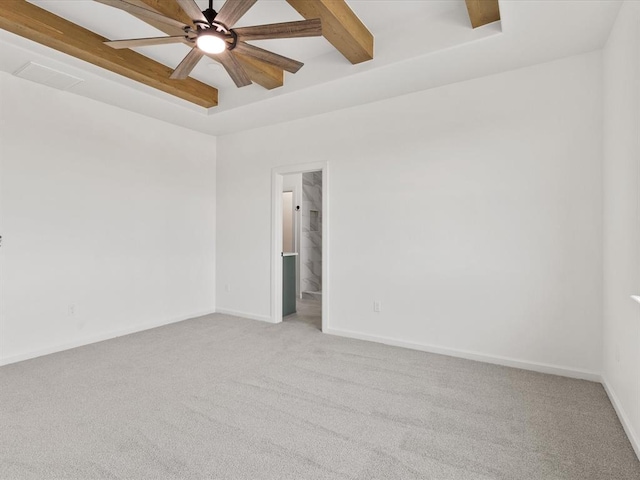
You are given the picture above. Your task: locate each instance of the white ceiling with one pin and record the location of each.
(419, 44)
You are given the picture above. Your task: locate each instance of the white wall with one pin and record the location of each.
(622, 218)
(472, 212)
(99, 208)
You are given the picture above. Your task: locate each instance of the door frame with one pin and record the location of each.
(277, 174)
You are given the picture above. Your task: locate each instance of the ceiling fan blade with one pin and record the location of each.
(187, 64)
(144, 42)
(265, 75)
(302, 28)
(232, 11)
(272, 58)
(231, 64)
(143, 13)
(192, 9)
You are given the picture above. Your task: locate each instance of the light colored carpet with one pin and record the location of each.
(225, 398)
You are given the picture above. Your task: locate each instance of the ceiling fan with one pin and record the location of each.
(212, 34)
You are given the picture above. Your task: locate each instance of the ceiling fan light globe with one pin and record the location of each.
(210, 43)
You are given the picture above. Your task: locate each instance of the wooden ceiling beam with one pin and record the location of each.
(264, 74)
(483, 12)
(340, 26)
(34, 23)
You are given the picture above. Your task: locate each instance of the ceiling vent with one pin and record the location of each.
(47, 76)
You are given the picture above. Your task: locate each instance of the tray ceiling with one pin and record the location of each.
(418, 45)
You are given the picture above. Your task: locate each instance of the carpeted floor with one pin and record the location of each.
(220, 397)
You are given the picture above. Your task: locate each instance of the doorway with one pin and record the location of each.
(300, 244)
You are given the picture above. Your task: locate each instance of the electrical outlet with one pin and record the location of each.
(227, 288)
(376, 306)
(71, 311)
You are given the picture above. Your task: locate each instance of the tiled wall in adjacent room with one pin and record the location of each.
(311, 240)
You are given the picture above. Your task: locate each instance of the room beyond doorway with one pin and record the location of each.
(300, 251)
(308, 310)
(311, 236)
(302, 245)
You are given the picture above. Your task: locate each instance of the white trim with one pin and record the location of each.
(96, 338)
(250, 316)
(479, 357)
(624, 420)
(276, 236)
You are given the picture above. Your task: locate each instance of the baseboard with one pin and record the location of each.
(96, 338)
(624, 420)
(480, 357)
(250, 316)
